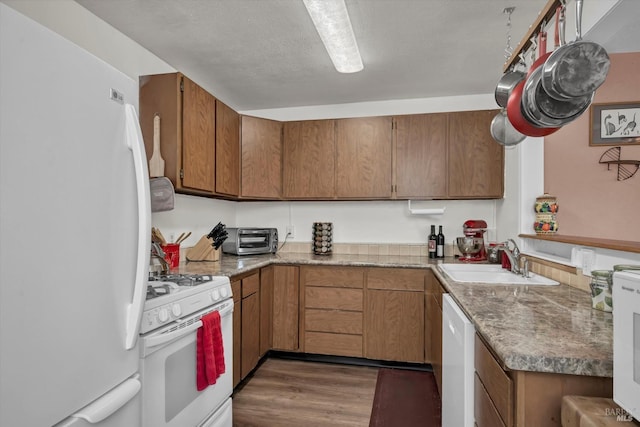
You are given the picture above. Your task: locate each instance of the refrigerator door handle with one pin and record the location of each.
(109, 403)
(136, 145)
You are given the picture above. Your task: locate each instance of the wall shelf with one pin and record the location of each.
(615, 245)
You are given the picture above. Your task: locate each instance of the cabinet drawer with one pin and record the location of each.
(250, 285)
(497, 383)
(341, 322)
(333, 298)
(336, 277)
(333, 344)
(485, 412)
(398, 279)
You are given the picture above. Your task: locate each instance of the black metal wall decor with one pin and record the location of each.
(626, 168)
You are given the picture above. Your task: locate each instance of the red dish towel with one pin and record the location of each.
(209, 351)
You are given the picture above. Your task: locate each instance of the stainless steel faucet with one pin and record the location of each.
(513, 255)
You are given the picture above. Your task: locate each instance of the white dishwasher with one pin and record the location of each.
(458, 335)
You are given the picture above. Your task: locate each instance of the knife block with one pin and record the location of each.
(203, 251)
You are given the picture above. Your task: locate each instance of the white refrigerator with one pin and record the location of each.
(74, 233)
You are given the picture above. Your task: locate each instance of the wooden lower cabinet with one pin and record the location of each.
(236, 289)
(286, 308)
(266, 309)
(250, 352)
(525, 399)
(433, 325)
(333, 307)
(394, 314)
(252, 295)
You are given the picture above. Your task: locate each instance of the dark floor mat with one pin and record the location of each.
(406, 398)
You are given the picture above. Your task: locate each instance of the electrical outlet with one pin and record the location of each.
(588, 259)
(291, 231)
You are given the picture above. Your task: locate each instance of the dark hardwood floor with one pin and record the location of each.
(301, 393)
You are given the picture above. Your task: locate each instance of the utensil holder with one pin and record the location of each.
(322, 237)
(172, 254)
(203, 251)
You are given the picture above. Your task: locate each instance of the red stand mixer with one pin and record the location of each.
(472, 244)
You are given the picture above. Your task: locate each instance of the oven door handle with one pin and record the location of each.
(151, 342)
(154, 341)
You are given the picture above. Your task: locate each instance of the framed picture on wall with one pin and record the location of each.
(615, 124)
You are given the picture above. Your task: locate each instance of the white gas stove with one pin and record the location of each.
(172, 297)
(171, 357)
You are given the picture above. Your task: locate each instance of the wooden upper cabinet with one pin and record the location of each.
(421, 156)
(308, 159)
(363, 158)
(261, 154)
(187, 130)
(227, 150)
(198, 137)
(476, 160)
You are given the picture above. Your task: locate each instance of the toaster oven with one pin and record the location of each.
(251, 241)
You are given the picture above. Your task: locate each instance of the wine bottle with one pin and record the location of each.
(432, 242)
(440, 243)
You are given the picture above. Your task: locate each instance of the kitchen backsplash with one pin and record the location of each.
(368, 249)
(567, 275)
(564, 274)
(571, 276)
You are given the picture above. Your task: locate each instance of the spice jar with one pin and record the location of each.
(601, 298)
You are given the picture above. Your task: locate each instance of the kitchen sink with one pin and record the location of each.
(492, 274)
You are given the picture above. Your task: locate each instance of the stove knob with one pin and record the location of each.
(176, 310)
(163, 315)
(215, 295)
(224, 292)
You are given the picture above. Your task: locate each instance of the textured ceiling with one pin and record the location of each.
(257, 54)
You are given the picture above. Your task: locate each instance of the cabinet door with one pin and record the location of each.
(421, 156)
(286, 303)
(436, 341)
(363, 158)
(394, 325)
(227, 150)
(433, 291)
(309, 159)
(198, 138)
(266, 306)
(476, 160)
(237, 330)
(160, 94)
(250, 333)
(261, 144)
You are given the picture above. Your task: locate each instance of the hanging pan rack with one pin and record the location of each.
(545, 15)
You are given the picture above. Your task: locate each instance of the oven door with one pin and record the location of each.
(168, 370)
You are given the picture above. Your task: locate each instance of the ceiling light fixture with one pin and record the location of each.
(334, 27)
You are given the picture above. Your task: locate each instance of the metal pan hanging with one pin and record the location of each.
(503, 131)
(542, 109)
(575, 69)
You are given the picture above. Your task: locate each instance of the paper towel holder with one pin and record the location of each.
(429, 211)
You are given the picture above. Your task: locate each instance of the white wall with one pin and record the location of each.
(367, 221)
(379, 222)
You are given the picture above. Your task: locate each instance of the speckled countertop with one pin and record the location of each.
(530, 328)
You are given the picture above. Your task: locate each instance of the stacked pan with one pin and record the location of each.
(557, 89)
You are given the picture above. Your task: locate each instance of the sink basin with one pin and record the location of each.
(492, 274)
